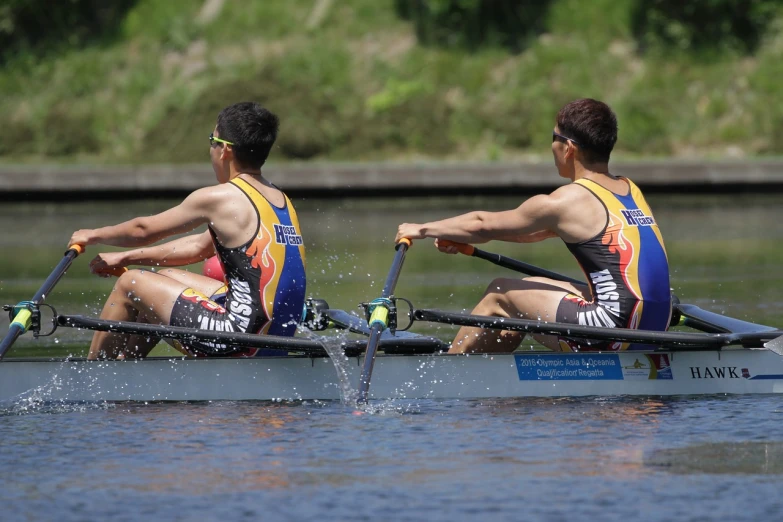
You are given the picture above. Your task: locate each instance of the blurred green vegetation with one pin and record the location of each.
(136, 81)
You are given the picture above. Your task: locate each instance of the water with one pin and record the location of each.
(527, 459)
(706, 458)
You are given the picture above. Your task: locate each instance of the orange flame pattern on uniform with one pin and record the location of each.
(617, 244)
(258, 252)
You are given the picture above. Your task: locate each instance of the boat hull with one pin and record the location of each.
(740, 371)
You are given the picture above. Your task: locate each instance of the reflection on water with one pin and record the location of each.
(747, 457)
(436, 460)
(588, 434)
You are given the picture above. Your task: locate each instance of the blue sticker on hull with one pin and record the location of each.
(571, 367)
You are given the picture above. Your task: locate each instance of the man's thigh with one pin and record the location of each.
(205, 285)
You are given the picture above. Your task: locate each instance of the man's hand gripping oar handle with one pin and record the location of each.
(507, 262)
(116, 271)
(462, 248)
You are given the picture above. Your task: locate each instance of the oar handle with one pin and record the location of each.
(115, 271)
(462, 248)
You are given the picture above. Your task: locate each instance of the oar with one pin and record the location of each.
(234, 340)
(379, 315)
(507, 262)
(23, 317)
(690, 340)
(231, 340)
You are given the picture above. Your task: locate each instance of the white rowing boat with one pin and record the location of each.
(437, 376)
(726, 356)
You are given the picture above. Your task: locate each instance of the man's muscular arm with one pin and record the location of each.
(182, 251)
(535, 219)
(195, 210)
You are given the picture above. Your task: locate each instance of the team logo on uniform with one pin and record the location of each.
(637, 218)
(286, 235)
(241, 304)
(196, 297)
(606, 291)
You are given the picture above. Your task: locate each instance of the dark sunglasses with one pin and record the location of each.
(213, 139)
(560, 137)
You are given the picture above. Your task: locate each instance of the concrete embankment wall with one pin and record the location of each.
(27, 182)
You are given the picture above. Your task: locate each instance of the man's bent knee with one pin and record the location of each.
(495, 298)
(127, 280)
(503, 285)
(500, 285)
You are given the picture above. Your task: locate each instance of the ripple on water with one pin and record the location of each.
(34, 404)
(747, 457)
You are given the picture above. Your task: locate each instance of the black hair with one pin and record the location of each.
(592, 125)
(252, 129)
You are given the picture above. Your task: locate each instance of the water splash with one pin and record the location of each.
(39, 401)
(348, 380)
(334, 348)
(389, 407)
(348, 394)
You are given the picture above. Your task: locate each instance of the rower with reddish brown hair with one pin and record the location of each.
(604, 221)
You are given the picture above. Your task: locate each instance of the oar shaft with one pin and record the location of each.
(10, 338)
(525, 268)
(369, 363)
(507, 262)
(236, 339)
(21, 322)
(230, 339)
(625, 335)
(56, 275)
(394, 272)
(378, 324)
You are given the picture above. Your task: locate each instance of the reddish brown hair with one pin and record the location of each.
(592, 125)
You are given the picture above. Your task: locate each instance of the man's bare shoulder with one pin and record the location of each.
(571, 191)
(568, 196)
(581, 215)
(217, 191)
(213, 195)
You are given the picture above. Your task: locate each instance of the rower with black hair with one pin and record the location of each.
(251, 226)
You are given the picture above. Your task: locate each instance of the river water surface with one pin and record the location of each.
(619, 458)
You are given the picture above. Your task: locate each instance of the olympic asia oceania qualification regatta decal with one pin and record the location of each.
(593, 367)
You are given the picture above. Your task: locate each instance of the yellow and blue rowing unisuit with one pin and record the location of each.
(265, 278)
(626, 268)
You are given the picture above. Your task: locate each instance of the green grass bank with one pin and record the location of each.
(352, 82)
